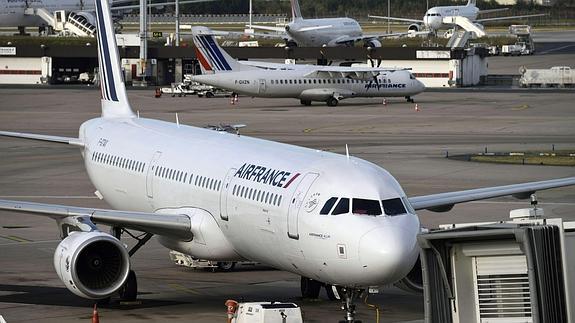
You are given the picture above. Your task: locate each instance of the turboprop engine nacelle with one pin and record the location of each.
(93, 264)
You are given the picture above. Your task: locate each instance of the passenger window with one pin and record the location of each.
(328, 205)
(342, 206)
(393, 207)
(367, 207)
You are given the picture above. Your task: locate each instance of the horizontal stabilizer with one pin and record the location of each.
(444, 201)
(57, 139)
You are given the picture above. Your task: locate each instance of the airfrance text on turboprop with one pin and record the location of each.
(262, 174)
(385, 86)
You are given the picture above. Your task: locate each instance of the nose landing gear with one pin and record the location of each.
(348, 298)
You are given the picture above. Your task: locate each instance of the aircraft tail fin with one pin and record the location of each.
(114, 99)
(212, 58)
(471, 3)
(295, 10)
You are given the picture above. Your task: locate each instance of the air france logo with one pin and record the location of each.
(379, 86)
(266, 175)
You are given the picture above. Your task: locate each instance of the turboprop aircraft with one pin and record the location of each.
(308, 83)
(320, 32)
(439, 17)
(330, 218)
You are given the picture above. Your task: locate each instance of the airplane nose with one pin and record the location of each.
(420, 86)
(387, 254)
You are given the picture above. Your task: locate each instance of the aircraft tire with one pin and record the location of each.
(209, 95)
(129, 291)
(332, 102)
(310, 288)
(305, 102)
(226, 265)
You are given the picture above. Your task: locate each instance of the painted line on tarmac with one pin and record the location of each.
(29, 242)
(184, 289)
(16, 238)
(555, 49)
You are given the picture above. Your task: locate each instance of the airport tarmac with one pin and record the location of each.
(410, 144)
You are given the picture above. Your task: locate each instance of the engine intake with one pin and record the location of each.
(92, 265)
(413, 282)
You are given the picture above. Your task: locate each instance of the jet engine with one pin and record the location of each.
(88, 16)
(373, 43)
(93, 264)
(414, 27)
(413, 282)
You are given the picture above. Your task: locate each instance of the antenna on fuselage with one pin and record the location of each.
(346, 151)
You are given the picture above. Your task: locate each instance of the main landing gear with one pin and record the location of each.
(409, 99)
(129, 291)
(305, 102)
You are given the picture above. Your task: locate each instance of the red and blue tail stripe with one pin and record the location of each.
(211, 56)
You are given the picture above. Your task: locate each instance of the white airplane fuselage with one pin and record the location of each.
(12, 12)
(293, 84)
(338, 27)
(433, 18)
(270, 193)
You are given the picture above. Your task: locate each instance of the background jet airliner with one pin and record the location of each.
(329, 32)
(308, 83)
(214, 195)
(445, 17)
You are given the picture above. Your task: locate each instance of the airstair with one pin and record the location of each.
(65, 23)
(466, 24)
(459, 39)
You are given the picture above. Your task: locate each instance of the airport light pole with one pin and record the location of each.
(178, 22)
(143, 39)
(251, 13)
(389, 15)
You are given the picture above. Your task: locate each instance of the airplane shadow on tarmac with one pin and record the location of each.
(60, 296)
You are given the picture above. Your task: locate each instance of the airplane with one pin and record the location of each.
(308, 83)
(330, 32)
(439, 17)
(330, 218)
(20, 13)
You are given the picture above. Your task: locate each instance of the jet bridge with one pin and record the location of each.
(510, 271)
(65, 23)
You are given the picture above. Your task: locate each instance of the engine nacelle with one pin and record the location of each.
(414, 27)
(373, 43)
(88, 16)
(93, 264)
(413, 282)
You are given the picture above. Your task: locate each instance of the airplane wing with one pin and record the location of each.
(172, 225)
(510, 17)
(57, 139)
(444, 202)
(268, 28)
(397, 19)
(359, 73)
(492, 10)
(160, 4)
(312, 28)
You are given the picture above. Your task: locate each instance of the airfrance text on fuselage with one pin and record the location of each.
(265, 175)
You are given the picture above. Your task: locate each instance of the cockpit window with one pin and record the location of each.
(328, 205)
(393, 207)
(410, 208)
(367, 207)
(411, 76)
(342, 206)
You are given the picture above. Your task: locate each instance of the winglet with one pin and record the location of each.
(114, 99)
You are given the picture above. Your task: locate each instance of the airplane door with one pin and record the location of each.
(262, 86)
(224, 194)
(150, 174)
(296, 202)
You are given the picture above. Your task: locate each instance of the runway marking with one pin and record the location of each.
(184, 289)
(48, 197)
(556, 49)
(29, 242)
(15, 238)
